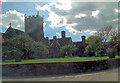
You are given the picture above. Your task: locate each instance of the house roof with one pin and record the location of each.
(77, 43)
(80, 44)
(63, 41)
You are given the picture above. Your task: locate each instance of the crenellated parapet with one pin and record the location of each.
(34, 16)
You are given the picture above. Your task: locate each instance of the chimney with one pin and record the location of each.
(83, 39)
(37, 13)
(48, 42)
(63, 34)
(47, 38)
(55, 38)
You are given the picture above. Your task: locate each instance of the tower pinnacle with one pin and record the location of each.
(24, 15)
(10, 24)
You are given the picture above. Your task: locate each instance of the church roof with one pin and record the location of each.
(13, 32)
(5, 36)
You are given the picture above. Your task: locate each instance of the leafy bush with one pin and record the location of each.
(95, 46)
(22, 46)
(68, 50)
(111, 52)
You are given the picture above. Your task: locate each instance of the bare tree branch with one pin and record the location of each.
(106, 33)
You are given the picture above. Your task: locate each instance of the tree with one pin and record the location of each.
(111, 52)
(40, 50)
(95, 46)
(68, 50)
(106, 33)
(23, 47)
(116, 42)
(115, 38)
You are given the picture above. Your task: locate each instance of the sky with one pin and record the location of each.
(76, 18)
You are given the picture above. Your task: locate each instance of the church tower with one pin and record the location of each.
(34, 27)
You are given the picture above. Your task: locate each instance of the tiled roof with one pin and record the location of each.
(5, 36)
(63, 41)
(13, 32)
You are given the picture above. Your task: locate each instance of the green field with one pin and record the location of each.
(52, 60)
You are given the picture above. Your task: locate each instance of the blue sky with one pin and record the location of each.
(76, 18)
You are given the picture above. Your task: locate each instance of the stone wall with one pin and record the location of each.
(40, 69)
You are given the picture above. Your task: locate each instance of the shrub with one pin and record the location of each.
(111, 52)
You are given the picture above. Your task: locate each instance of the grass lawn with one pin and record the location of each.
(52, 60)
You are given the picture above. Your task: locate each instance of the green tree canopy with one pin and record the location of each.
(95, 39)
(111, 52)
(115, 38)
(116, 42)
(95, 46)
(23, 46)
(68, 50)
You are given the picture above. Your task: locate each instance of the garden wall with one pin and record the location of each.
(40, 69)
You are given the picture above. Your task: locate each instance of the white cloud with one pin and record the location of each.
(87, 31)
(56, 21)
(65, 5)
(91, 32)
(38, 7)
(115, 20)
(58, 34)
(71, 29)
(116, 10)
(80, 15)
(87, 16)
(44, 24)
(15, 18)
(95, 13)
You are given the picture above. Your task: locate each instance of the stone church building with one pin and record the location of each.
(34, 28)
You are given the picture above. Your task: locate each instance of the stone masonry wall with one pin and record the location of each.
(40, 69)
